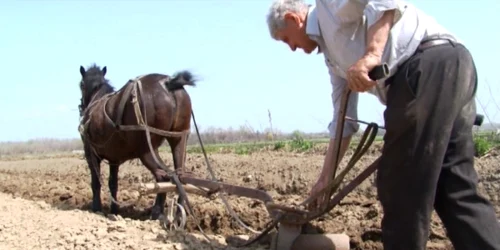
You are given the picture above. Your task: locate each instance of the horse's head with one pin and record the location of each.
(93, 83)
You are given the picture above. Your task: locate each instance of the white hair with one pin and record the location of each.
(277, 11)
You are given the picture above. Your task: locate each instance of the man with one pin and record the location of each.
(427, 160)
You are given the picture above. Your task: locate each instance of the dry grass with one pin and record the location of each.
(209, 136)
(40, 146)
(243, 140)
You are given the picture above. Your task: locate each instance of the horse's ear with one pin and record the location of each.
(104, 70)
(82, 71)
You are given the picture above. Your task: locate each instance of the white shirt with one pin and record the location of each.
(339, 27)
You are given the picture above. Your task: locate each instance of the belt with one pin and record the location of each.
(434, 42)
(425, 44)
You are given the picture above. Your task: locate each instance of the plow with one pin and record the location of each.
(289, 221)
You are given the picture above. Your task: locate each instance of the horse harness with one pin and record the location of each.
(134, 89)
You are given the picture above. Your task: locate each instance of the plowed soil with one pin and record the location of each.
(46, 201)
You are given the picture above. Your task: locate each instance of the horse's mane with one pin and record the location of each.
(95, 79)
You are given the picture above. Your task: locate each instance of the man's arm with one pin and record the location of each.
(378, 34)
(376, 39)
(381, 15)
(350, 128)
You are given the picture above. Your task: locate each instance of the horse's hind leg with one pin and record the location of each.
(113, 185)
(178, 147)
(160, 175)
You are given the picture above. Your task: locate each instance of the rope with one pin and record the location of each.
(212, 174)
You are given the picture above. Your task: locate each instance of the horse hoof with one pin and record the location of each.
(114, 210)
(155, 216)
(155, 213)
(97, 209)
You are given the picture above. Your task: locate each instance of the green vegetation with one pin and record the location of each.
(297, 144)
(484, 142)
(297, 141)
(243, 141)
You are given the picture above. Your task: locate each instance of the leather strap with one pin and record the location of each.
(434, 42)
(121, 105)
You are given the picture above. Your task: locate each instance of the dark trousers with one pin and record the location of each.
(428, 156)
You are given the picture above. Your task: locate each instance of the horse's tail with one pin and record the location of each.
(181, 79)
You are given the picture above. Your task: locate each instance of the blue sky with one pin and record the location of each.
(243, 71)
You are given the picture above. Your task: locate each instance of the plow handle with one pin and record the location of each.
(379, 72)
(479, 120)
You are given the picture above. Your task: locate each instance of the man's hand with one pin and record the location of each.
(327, 173)
(357, 75)
(321, 200)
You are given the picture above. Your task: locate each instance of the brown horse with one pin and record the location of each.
(132, 123)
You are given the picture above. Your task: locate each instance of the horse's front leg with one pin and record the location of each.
(94, 165)
(113, 186)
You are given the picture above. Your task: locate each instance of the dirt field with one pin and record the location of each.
(46, 201)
